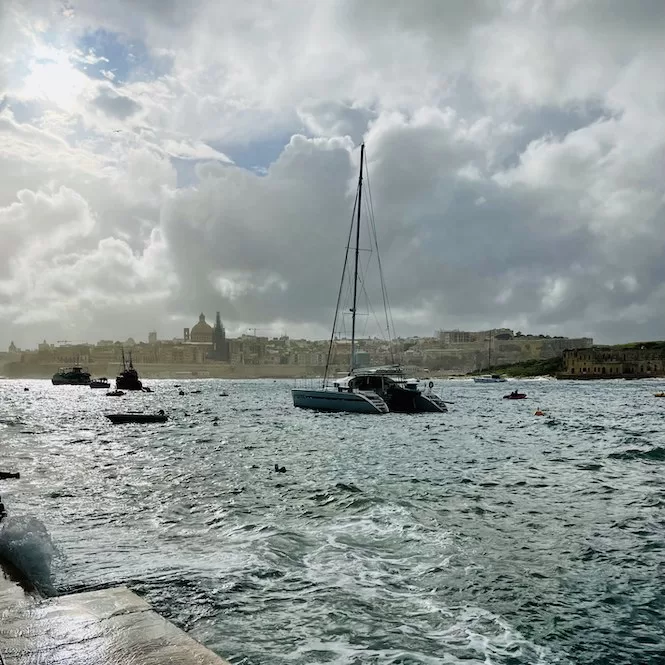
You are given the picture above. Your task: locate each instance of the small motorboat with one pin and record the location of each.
(133, 417)
(515, 395)
(115, 393)
(659, 394)
(102, 382)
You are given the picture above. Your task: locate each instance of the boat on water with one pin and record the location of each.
(492, 378)
(401, 394)
(101, 382)
(135, 417)
(376, 390)
(71, 376)
(489, 378)
(659, 394)
(128, 379)
(515, 395)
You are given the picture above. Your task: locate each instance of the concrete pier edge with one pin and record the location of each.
(104, 627)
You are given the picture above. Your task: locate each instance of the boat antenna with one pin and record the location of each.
(355, 270)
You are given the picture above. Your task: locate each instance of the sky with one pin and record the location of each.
(162, 158)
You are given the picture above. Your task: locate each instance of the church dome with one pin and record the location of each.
(202, 331)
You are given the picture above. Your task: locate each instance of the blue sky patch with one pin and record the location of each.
(128, 60)
(256, 155)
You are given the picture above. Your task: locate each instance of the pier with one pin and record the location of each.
(102, 627)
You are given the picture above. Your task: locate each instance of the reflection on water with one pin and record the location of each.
(485, 534)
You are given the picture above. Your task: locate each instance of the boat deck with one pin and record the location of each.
(104, 627)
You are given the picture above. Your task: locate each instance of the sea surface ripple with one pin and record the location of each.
(484, 535)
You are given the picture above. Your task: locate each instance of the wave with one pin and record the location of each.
(27, 545)
(656, 454)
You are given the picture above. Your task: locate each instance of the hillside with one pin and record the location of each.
(527, 368)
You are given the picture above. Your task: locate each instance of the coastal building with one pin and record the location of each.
(454, 337)
(201, 333)
(220, 345)
(604, 362)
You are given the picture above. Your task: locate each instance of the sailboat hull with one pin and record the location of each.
(403, 400)
(329, 400)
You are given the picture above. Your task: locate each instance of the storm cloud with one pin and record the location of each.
(162, 159)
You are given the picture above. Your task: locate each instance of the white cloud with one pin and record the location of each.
(193, 150)
(515, 154)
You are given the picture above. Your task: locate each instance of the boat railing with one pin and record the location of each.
(310, 383)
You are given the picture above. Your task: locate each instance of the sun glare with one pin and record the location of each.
(55, 80)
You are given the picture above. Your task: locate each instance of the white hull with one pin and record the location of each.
(487, 379)
(331, 400)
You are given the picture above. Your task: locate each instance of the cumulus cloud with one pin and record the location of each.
(515, 153)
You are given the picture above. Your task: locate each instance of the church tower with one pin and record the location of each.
(220, 345)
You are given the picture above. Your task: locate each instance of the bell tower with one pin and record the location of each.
(220, 345)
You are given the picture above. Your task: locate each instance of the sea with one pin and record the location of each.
(487, 534)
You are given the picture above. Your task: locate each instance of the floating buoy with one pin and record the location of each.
(539, 413)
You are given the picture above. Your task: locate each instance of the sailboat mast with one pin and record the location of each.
(489, 352)
(355, 270)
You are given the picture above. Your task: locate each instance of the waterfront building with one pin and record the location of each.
(604, 362)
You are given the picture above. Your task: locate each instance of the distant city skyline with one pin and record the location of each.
(514, 153)
(154, 336)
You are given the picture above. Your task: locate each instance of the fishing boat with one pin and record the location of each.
(128, 379)
(102, 382)
(376, 390)
(133, 417)
(71, 376)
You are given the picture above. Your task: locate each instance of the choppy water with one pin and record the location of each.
(483, 535)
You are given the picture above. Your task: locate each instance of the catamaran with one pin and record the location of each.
(372, 389)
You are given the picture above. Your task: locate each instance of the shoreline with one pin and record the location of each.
(202, 371)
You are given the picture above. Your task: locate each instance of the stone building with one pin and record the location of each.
(201, 333)
(606, 362)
